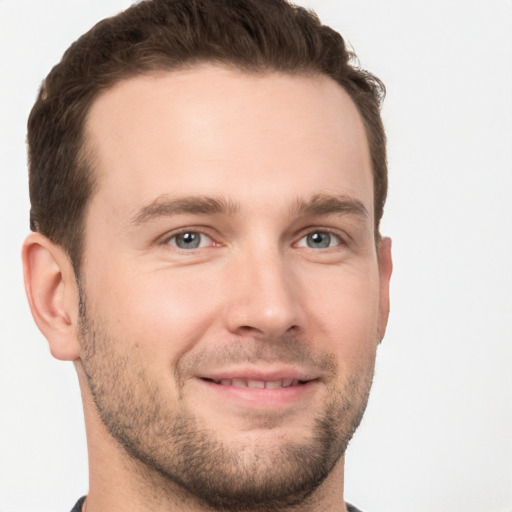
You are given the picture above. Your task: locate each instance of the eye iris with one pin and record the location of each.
(188, 240)
(318, 239)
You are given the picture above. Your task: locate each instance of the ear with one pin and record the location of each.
(385, 270)
(52, 294)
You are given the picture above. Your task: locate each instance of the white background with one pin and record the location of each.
(437, 436)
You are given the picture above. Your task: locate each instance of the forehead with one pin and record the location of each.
(212, 129)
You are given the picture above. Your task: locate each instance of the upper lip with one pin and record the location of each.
(260, 374)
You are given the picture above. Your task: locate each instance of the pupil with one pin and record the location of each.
(187, 240)
(319, 240)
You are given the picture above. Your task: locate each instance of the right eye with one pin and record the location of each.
(190, 240)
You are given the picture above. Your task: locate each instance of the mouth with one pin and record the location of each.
(257, 384)
(260, 389)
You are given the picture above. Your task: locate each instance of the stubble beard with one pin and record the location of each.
(181, 457)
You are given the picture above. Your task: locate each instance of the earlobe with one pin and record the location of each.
(385, 270)
(52, 294)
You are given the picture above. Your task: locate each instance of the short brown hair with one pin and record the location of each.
(155, 35)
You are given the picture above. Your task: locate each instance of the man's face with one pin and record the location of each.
(232, 299)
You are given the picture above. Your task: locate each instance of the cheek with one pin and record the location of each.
(346, 313)
(162, 312)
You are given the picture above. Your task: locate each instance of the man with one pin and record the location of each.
(207, 179)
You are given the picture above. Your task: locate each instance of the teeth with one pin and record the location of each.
(256, 384)
(259, 384)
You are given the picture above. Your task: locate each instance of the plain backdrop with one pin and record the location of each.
(437, 436)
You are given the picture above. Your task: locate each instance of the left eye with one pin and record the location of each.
(190, 240)
(319, 240)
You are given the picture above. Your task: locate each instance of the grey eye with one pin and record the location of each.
(319, 240)
(189, 240)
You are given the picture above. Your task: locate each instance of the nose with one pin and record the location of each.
(264, 298)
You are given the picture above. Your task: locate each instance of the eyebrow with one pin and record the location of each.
(319, 204)
(326, 204)
(163, 206)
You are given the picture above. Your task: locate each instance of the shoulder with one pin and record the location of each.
(79, 503)
(350, 508)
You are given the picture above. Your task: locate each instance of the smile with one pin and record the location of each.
(258, 384)
(260, 389)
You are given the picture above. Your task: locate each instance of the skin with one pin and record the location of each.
(286, 161)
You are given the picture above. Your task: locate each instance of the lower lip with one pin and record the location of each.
(261, 398)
